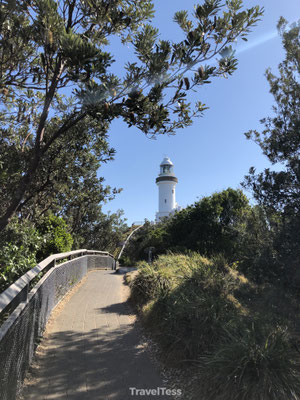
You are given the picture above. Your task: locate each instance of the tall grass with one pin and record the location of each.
(200, 312)
(254, 364)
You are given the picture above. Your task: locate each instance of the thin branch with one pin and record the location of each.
(67, 125)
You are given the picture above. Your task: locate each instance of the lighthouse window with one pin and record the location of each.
(166, 169)
(165, 200)
(173, 191)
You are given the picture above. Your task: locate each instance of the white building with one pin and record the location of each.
(166, 182)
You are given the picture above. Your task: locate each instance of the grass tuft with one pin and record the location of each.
(204, 312)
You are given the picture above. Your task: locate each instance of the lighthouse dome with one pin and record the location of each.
(166, 161)
(166, 171)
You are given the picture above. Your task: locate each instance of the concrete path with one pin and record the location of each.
(91, 349)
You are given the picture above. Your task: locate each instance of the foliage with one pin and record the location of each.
(256, 363)
(67, 177)
(204, 313)
(154, 280)
(148, 235)
(223, 223)
(279, 140)
(255, 253)
(191, 304)
(57, 239)
(19, 244)
(52, 46)
(104, 232)
(212, 225)
(24, 243)
(279, 191)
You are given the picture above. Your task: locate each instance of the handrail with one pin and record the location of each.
(127, 240)
(23, 282)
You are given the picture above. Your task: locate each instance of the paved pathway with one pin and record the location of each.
(91, 350)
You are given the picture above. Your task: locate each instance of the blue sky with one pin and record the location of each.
(213, 153)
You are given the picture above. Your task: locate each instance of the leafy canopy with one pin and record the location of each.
(280, 140)
(55, 74)
(279, 191)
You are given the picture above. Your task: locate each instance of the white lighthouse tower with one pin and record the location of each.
(166, 182)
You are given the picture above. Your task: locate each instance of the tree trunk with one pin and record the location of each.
(27, 178)
(12, 208)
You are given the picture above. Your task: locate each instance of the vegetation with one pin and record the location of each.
(223, 223)
(58, 98)
(279, 192)
(222, 292)
(206, 314)
(19, 246)
(56, 237)
(232, 316)
(49, 46)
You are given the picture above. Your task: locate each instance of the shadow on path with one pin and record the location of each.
(99, 357)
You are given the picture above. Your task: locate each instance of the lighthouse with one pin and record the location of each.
(166, 182)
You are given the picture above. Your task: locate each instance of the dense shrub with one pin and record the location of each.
(24, 244)
(19, 244)
(210, 226)
(56, 238)
(158, 279)
(192, 302)
(223, 223)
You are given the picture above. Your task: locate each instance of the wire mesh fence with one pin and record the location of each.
(23, 329)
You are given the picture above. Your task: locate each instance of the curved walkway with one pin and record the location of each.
(91, 349)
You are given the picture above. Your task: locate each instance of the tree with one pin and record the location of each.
(106, 232)
(67, 171)
(53, 45)
(56, 237)
(23, 244)
(280, 139)
(279, 191)
(210, 226)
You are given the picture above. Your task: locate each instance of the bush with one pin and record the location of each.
(23, 245)
(203, 311)
(210, 226)
(149, 284)
(19, 244)
(125, 261)
(256, 363)
(56, 238)
(191, 304)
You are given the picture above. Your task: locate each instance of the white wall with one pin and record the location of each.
(166, 197)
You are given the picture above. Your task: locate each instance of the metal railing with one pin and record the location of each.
(27, 304)
(18, 291)
(127, 240)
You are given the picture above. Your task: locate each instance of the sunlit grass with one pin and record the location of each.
(206, 314)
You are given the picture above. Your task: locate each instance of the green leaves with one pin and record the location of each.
(144, 42)
(280, 138)
(208, 9)
(278, 191)
(18, 247)
(181, 18)
(51, 48)
(56, 237)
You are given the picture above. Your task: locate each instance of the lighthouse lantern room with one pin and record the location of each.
(166, 182)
